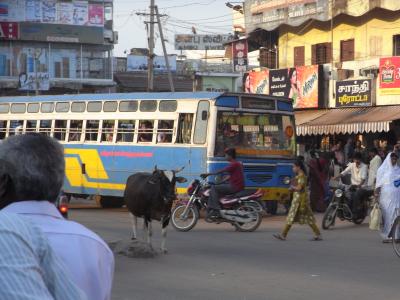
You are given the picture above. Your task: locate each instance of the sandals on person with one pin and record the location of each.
(279, 237)
(316, 238)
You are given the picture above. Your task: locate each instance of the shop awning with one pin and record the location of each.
(346, 120)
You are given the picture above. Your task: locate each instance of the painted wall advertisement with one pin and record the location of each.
(300, 84)
(389, 76)
(353, 93)
(49, 11)
(256, 82)
(33, 10)
(239, 55)
(31, 81)
(13, 11)
(65, 11)
(96, 14)
(81, 13)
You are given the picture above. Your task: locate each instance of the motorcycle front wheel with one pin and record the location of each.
(181, 223)
(254, 214)
(329, 217)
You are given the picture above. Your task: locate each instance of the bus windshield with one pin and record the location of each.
(258, 135)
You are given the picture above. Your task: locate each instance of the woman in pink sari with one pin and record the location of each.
(318, 178)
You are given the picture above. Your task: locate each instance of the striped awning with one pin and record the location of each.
(346, 120)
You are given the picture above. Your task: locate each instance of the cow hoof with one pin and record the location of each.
(164, 251)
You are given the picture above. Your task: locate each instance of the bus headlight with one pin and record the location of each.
(338, 193)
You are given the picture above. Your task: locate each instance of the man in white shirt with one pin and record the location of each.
(359, 176)
(374, 165)
(32, 172)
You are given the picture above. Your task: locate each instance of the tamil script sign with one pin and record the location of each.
(389, 75)
(300, 84)
(239, 55)
(201, 41)
(353, 93)
(33, 81)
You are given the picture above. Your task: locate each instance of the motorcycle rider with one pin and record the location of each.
(236, 183)
(359, 173)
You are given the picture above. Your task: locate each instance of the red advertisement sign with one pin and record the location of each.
(8, 30)
(257, 82)
(239, 55)
(389, 75)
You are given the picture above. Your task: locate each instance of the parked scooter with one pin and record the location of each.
(339, 206)
(242, 210)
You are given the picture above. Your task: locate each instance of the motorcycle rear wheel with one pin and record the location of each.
(189, 222)
(251, 226)
(329, 217)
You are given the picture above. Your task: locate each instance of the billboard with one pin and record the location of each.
(300, 84)
(8, 30)
(389, 75)
(256, 82)
(201, 41)
(138, 63)
(96, 14)
(353, 93)
(31, 80)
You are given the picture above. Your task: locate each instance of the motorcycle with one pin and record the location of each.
(242, 210)
(339, 206)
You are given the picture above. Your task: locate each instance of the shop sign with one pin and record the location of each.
(256, 82)
(299, 84)
(389, 75)
(138, 63)
(239, 54)
(353, 93)
(201, 41)
(61, 33)
(8, 30)
(33, 81)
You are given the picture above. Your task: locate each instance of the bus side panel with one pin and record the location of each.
(265, 174)
(108, 166)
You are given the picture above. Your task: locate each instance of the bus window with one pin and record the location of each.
(108, 131)
(78, 106)
(45, 127)
(110, 106)
(3, 129)
(145, 131)
(92, 130)
(60, 130)
(47, 107)
(126, 130)
(62, 107)
(258, 135)
(18, 108)
(75, 130)
(168, 105)
(200, 131)
(148, 105)
(31, 126)
(185, 124)
(128, 106)
(94, 106)
(4, 108)
(16, 127)
(33, 107)
(165, 131)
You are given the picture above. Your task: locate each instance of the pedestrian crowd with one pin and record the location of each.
(373, 171)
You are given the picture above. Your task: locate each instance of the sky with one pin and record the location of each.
(207, 16)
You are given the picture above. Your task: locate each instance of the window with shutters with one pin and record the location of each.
(396, 45)
(298, 56)
(347, 50)
(321, 53)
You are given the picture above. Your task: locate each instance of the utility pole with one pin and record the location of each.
(171, 82)
(150, 71)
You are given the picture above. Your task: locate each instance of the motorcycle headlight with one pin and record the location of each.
(338, 193)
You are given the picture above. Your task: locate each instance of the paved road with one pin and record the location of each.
(214, 262)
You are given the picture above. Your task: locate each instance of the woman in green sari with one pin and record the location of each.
(300, 210)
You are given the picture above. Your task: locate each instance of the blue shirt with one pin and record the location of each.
(29, 269)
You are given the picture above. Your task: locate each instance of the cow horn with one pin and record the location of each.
(179, 170)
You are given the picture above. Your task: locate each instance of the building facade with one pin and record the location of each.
(52, 46)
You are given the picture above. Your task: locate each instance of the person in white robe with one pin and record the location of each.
(388, 189)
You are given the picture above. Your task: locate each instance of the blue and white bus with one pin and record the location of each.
(108, 137)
